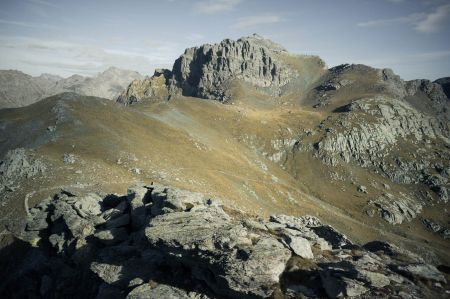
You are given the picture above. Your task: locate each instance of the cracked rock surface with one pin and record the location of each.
(163, 242)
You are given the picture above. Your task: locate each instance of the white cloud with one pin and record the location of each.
(433, 55)
(408, 59)
(433, 21)
(396, 1)
(412, 18)
(252, 21)
(64, 58)
(42, 2)
(215, 6)
(430, 65)
(26, 24)
(421, 22)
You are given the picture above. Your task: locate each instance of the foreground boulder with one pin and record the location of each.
(163, 242)
(228, 257)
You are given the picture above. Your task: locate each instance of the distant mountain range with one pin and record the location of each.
(18, 89)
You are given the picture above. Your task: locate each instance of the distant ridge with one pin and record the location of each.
(18, 89)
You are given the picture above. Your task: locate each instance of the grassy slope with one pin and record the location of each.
(217, 149)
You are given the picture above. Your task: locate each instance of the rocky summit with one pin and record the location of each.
(273, 176)
(211, 71)
(207, 71)
(164, 242)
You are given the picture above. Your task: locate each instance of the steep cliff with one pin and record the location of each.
(212, 71)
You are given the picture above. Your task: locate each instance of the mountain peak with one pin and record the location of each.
(210, 71)
(263, 42)
(207, 71)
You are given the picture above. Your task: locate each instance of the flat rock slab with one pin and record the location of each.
(146, 291)
(216, 246)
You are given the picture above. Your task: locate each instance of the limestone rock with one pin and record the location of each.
(203, 234)
(395, 211)
(431, 225)
(145, 291)
(69, 158)
(301, 247)
(211, 72)
(16, 165)
(296, 222)
(389, 135)
(205, 71)
(154, 88)
(112, 236)
(187, 240)
(423, 271)
(362, 189)
(445, 83)
(136, 198)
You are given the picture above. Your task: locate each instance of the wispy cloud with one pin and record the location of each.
(432, 55)
(410, 19)
(26, 24)
(253, 21)
(433, 21)
(409, 59)
(42, 2)
(421, 22)
(215, 6)
(66, 58)
(396, 1)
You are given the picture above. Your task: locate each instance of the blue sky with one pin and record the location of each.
(65, 37)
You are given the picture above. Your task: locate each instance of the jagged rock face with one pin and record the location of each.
(209, 71)
(380, 133)
(159, 242)
(222, 252)
(154, 87)
(394, 211)
(385, 122)
(439, 102)
(401, 132)
(18, 164)
(206, 71)
(445, 83)
(392, 136)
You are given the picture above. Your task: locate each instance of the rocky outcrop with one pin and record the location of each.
(18, 89)
(386, 121)
(438, 102)
(391, 136)
(394, 210)
(445, 83)
(424, 95)
(18, 164)
(209, 71)
(159, 241)
(154, 87)
(436, 227)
